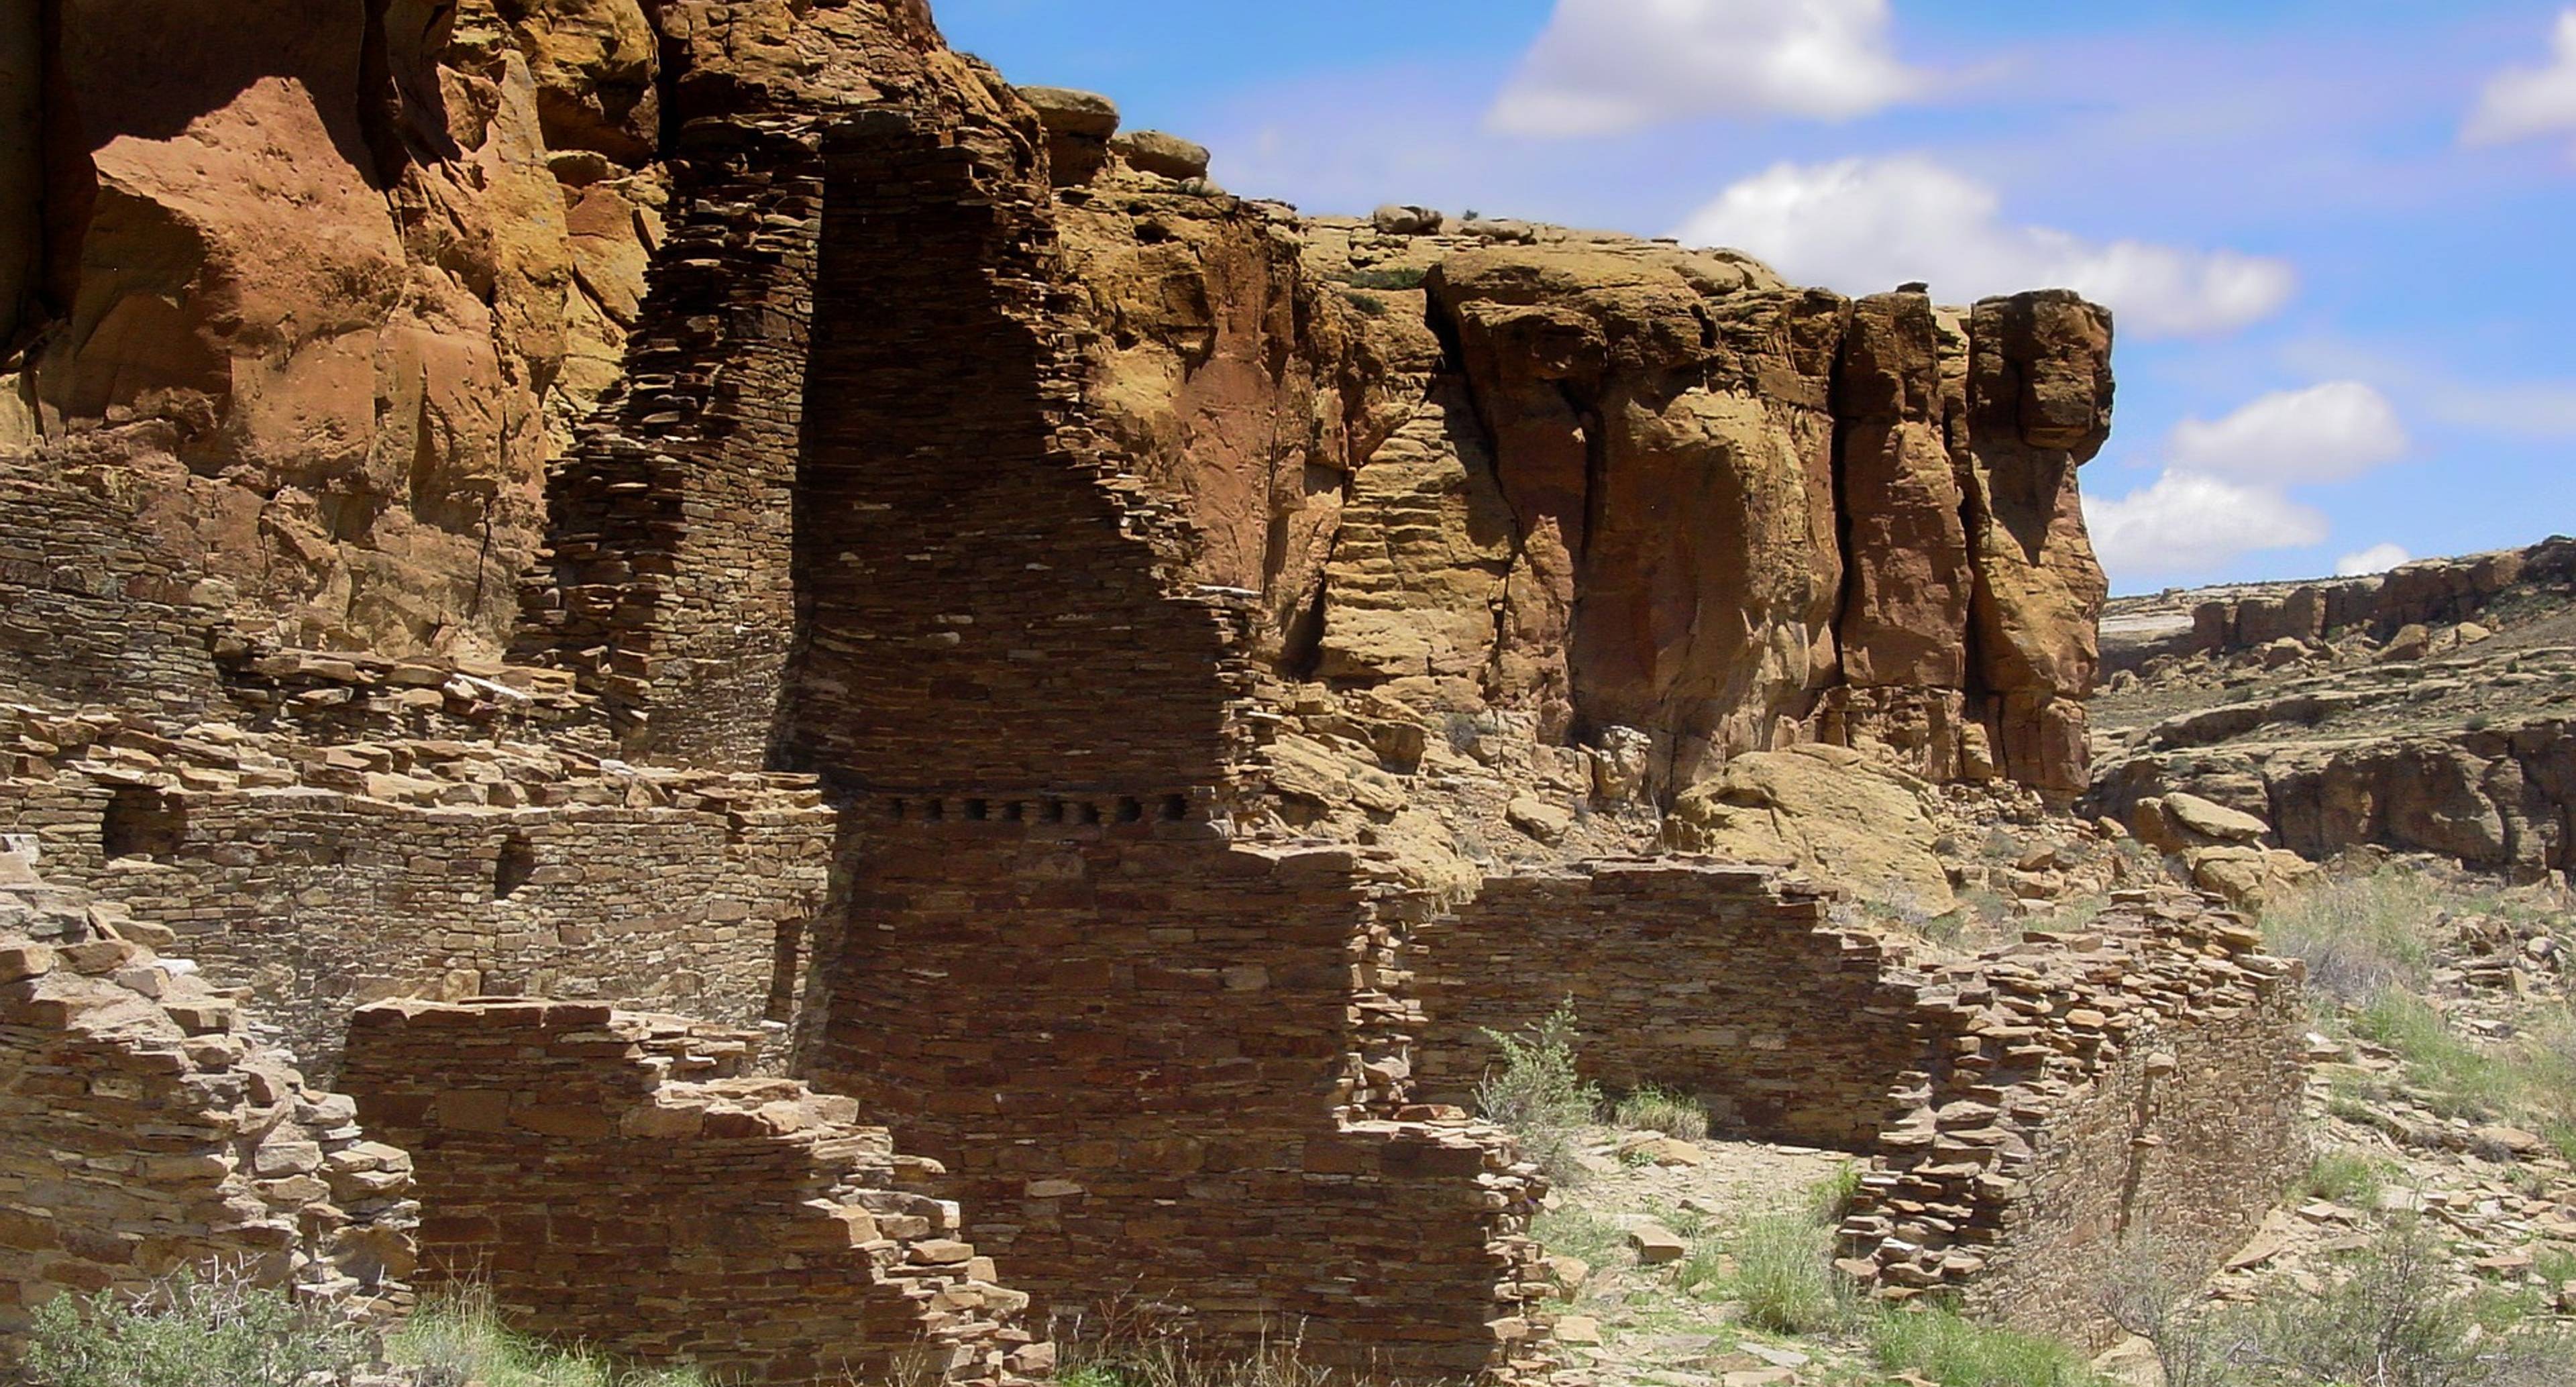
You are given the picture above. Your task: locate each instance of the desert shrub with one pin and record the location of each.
(2390, 1319)
(1539, 1096)
(1408, 277)
(1829, 1198)
(1135, 1343)
(212, 1328)
(2348, 1177)
(456, 1337)
(2360, 936)
(1652, 1109)
(1784, 1275)
(1955, 1352)
(1369, 305)
(2394, 1322)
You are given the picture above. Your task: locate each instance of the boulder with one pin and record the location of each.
(1821, 809)
(1395, 220)
(1152, 151)
(1078, 125)
(2212, 821)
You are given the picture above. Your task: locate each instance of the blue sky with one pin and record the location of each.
(2340, 237)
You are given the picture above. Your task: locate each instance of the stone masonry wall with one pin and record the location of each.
(2024, 1108)
(667, 580)
(1723, 983)
(990, 601)
(1129, 1044)
(2079, 1083)
(142, 1132)
(89, 611)
(327, 877)
(613, 1179)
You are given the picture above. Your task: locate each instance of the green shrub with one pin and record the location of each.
(456, 1337)
(1652, 1109)
(1957, 1352)
(1539, 1096)
(1369, 305)
(2360, 936)
(2348, 1177)
(1829, 1198)
(1784, 1276)
(210, 1329)
(1408, 277)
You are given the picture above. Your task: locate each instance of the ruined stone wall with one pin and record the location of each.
(322, 878)
(90, 611)
(613, 1180)
(1719, 983)
(990, 601)
(2130, 1094)
(2037, 1116)
(141, 1131)
(667, 581)
(1129, 1046)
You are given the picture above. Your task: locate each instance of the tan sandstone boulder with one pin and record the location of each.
(1822, 809)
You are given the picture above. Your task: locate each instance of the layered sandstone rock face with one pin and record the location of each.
(1611, 484)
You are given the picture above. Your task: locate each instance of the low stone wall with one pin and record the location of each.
(1145, 1055)
(326, 877)
(2128, 1096)
(141, 1132)
(1720, 982)
(2024, 1108)
(613, 1179)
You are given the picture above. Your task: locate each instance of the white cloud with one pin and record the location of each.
(2525, 102)
(2325, 433)
(1603, 66)
(2189, 524)
(1865, 225)
(2378, 558)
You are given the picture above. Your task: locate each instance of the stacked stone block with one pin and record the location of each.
(326, 877)
(1721, 982)
(614, 1178)
(2036, 1116)
(142, 1132)
(2125, 1097)
(1135, 1048)
(667, 583)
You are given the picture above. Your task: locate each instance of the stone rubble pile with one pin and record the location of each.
(142, 1132)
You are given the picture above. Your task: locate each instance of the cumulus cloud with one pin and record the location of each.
(2187, 523)
(2224, 489)
(1603, 66)
(1865, 225)
(2325, 433)
(2378, 558)
(2528, 102)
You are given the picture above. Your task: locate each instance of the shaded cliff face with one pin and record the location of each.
(1613, 484)
(335, 282)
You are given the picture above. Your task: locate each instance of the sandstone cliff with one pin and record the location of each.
(1614, 484)
(328, 314)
